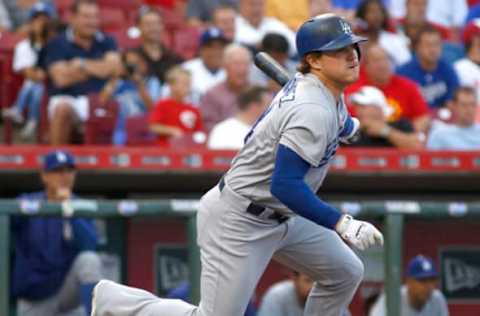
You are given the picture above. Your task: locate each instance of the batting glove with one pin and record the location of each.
(360, 234)
(354, 133)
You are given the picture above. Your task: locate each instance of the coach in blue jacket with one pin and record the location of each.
(55, 268)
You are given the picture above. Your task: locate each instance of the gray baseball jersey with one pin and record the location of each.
(304, 117)
(435, 306)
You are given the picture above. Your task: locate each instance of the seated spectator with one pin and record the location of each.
(19, 13)
(25, 61)
(207, 69)
(436, 78)
(419, 295)
(159, 58)
(415, 19)
(230, 133)
(55, 267)
(5, 21)
(371, 109)
(199, 11)
(275, 45)
(224, 19)
(251, 25)
(172, 117)
(468, 68)
(402, 94)
(463, 133)
(373, 23)
(288, 298)
(182, 292)
(220, 102)
(78, 61)
(133, 89)
(292, 13)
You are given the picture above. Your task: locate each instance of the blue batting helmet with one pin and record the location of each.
(325, 32)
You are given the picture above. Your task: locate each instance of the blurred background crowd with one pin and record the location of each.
(179, 72)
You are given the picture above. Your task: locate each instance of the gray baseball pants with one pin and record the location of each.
(86, 268)
(235, 249)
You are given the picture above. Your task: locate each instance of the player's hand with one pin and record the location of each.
(360, 234)
(354, 134)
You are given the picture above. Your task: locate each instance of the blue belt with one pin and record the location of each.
(256, 209)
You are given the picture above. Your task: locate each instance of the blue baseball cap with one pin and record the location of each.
(58, 159)
(41, 8)
(212, 34)
(421, 267)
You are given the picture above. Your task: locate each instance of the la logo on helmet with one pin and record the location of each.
(346, 27)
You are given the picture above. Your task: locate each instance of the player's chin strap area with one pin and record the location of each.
(257, 210)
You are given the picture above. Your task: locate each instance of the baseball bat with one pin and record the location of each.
(271, 68)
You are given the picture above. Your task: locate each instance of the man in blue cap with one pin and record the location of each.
(55, 268)
(419, 296)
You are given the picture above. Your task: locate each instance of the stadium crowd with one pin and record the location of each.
(165, 72)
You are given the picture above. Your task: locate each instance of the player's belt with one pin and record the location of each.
(256, 209)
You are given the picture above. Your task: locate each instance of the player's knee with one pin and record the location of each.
(354, 270)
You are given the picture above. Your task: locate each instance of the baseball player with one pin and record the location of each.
(265, 206)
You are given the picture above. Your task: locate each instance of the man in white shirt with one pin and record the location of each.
(251, 25)
(468, 68)
(419, 297)
(207, 69)
(230, 133)
(463, 133)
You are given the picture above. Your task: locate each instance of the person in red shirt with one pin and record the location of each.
(402, 94)
(172, 118)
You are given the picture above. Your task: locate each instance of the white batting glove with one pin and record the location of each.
(354, 134)
(360, 234)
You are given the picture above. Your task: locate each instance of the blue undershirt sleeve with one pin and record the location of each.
(289, 187)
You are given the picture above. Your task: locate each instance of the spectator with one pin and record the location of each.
(450, 14)
(134, 90)
(5, 21)
(251, 25)
(463, 133)
(372, 110)
(224, 19)
(207, 69)
(415, 19)
(182, 292)
(78, 62)
(287, 298)
(25, 61)
(293, 13)
(230, 133)
(172, 117)
(19, 13)
(199, 11)
(55, 268)
(436, 78)
(402, 94)
(220, 102)
(419, 296)
(159, 58)
(276, 45)
(373, 23)
(468, 68)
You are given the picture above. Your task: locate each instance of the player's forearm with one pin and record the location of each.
(289, 187)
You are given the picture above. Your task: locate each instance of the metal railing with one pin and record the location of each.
(392, 213)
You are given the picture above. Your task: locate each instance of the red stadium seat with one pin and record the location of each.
(124, 41)
(112, 19)
(186, 41)
(100, 125)
(137, 131)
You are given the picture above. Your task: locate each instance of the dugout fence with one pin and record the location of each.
(392, 214)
